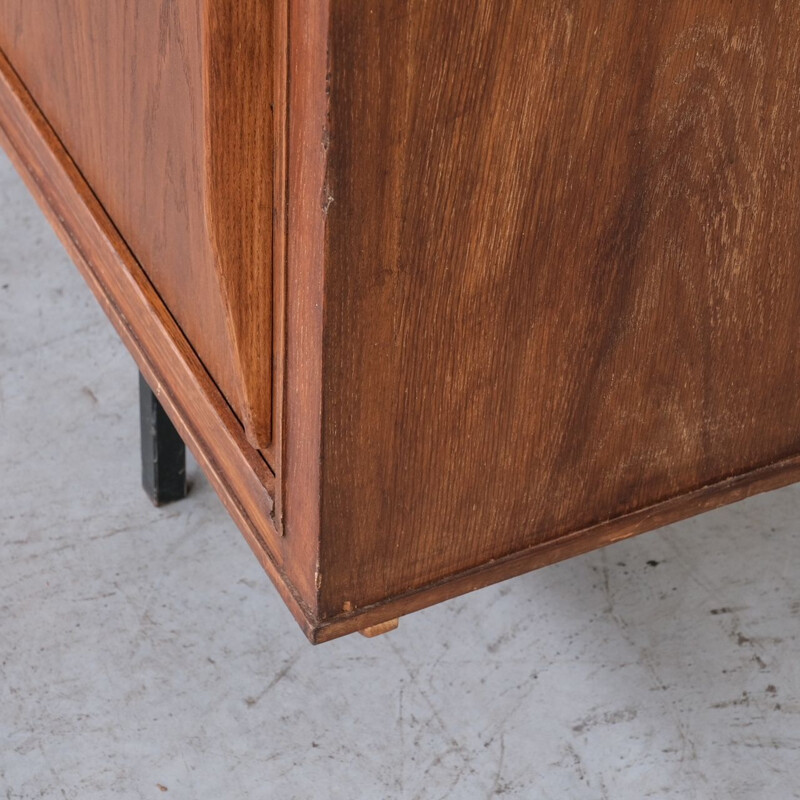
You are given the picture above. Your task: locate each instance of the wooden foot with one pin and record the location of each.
(163, 451)
(380, 628)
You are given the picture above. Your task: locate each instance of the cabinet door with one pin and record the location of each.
(166, 109)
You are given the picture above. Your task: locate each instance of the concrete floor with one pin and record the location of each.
(142, 649)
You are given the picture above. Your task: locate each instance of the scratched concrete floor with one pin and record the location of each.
(142, 649)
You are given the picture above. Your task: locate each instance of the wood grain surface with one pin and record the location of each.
(239, 150)
(149, 98)
(561, 272)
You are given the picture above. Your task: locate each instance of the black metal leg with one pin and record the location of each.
(163, 451)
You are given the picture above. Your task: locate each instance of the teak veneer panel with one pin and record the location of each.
(166, 109)
(562, 275)
(525, 274)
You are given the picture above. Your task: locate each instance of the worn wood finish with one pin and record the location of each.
(149, 98)
(561, 272)
(530, 276)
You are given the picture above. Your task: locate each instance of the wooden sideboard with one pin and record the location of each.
(436, 292)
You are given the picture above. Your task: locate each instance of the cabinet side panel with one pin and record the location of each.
(561, 280)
